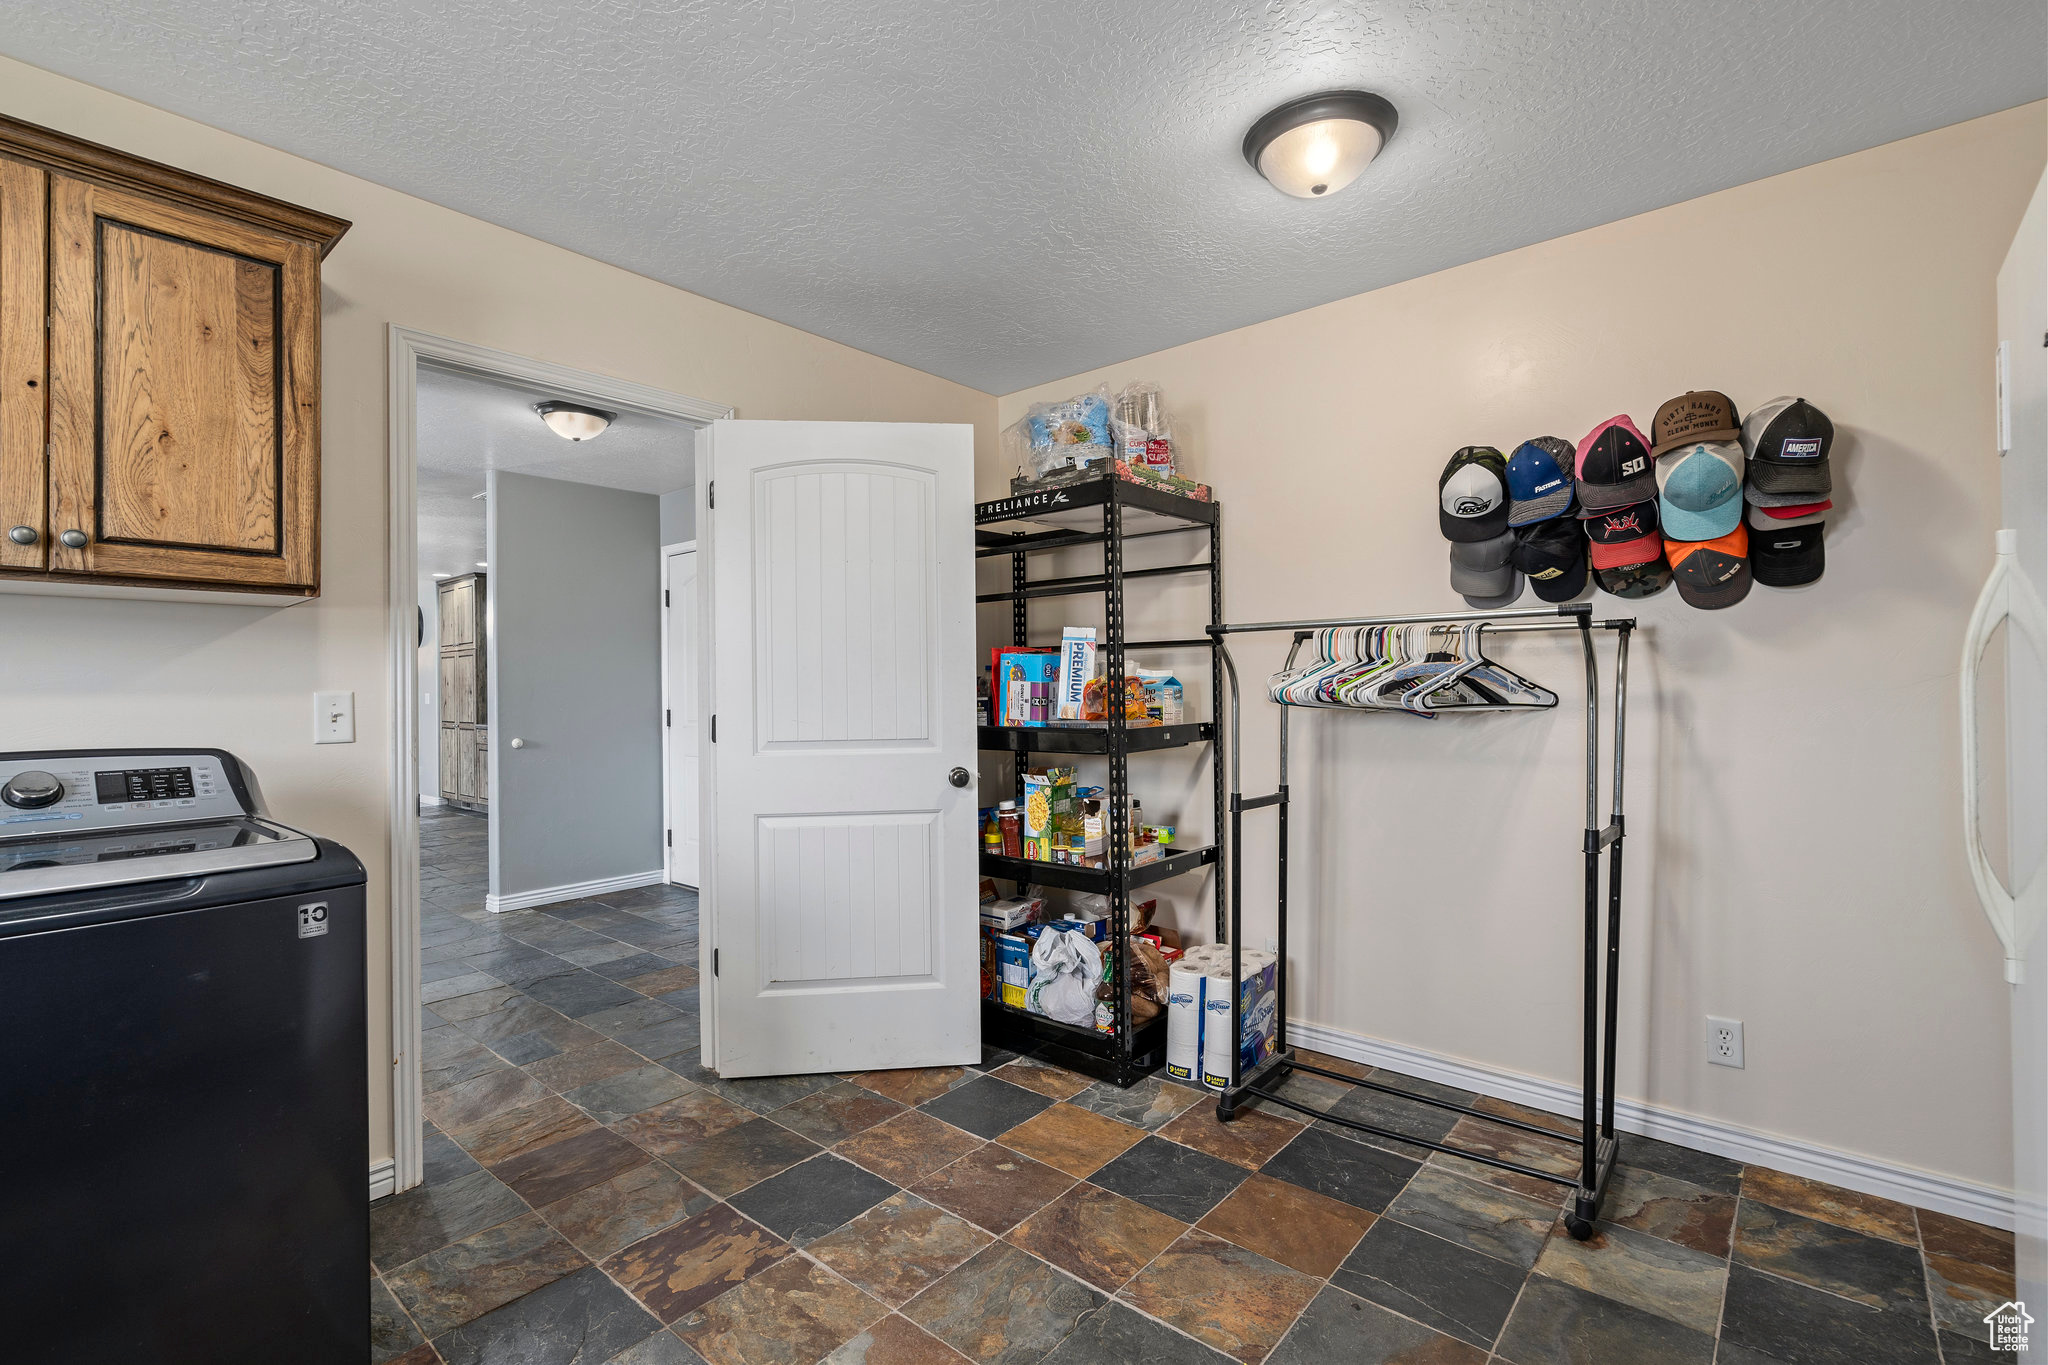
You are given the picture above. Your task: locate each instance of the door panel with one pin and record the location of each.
(466, 762)
(451, 762)
(684, 692)
(24, 477)
(842, 658)
(184, 380)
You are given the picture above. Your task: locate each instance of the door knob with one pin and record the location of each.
(959, 777)
(75, 539)
(519, 744)
(23, 535)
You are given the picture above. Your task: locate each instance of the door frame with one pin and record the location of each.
(407, 349)
(668, 781)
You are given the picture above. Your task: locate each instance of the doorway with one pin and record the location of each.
(463, 942)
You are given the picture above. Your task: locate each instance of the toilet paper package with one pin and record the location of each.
(1258, 1017)
(1186, 990)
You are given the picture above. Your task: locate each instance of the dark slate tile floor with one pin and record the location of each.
(594, 1195)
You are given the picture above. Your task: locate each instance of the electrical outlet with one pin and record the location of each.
(1724, 1041)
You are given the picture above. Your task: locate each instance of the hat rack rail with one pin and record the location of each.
(1596, 1140)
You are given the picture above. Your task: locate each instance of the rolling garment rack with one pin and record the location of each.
(1597, 1141)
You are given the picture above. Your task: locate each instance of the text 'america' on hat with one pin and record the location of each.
(1711, 574)
(1635, 580)
(1540, 482)
(1787, 555)
(1789, 441)
(1703, 415)
(1472, 494)
(1613, 465)
(1552, 555)
(1700, 490)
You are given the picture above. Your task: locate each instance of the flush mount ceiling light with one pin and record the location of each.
(572, 422)
(1316, 145)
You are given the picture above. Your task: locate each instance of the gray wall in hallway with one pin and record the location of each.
(576, 672)
(679, 516)
(429, 704)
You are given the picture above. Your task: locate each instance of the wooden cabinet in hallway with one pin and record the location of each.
(465, 698)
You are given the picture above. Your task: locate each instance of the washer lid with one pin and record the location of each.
(79, 860)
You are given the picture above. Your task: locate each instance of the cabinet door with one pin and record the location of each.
(456, 614)
(483, 765)
(23, 474)
(450, 696)
(467, 741)
(184, 393)
(451, 762)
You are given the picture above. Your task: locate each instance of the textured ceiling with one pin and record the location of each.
(468, 426)
(1004, 193)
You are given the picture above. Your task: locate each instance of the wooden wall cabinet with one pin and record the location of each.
(159, 376)
(465, 695)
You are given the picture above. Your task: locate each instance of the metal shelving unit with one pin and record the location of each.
(1108, 512)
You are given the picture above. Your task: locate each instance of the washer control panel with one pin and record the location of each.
(78, 791)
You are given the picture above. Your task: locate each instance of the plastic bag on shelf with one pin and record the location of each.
(1144, 436)
(1051, 437)
(1065, 966)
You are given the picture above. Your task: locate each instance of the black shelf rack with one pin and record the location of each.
(1111, 513)
(1597, 1142)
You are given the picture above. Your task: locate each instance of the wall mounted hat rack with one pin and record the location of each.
(1597, 1141)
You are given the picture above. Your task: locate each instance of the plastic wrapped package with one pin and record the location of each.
(1144, 436)
(1065, 967)
(1051, 437)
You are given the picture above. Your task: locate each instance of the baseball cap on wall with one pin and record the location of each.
(1636, 580)
(1763, 519)
(1788, 555)
(1623, 535)
(1700, 490)
(1472, 495)
(1499, 600)
(1699, 415)
(1613, 466)
(1789, 441)
(1552, 555)
(1540, 484)
(1711, 574)
(1480, 568)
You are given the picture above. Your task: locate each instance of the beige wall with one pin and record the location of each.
(1793, 771)
(91, 673)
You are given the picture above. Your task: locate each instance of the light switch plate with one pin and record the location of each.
(334, 717)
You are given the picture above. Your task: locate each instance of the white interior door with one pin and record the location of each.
(679, 669)
(842, 870)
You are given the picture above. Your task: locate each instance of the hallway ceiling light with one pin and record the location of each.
(1318, 144)
(573, 423)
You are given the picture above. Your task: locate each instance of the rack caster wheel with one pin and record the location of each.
(1225, 1111)
(1579, 1226)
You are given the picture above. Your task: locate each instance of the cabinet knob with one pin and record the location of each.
(519, 744)
(23, 535)
(75, 539)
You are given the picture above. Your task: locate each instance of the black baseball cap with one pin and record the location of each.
(1552, 554)
(1635, 580)
(1711, 574)
(1472, 495)
(1614, 465)
(1788, 441)
(1785, 557)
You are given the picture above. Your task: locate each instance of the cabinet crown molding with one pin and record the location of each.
(74, 156)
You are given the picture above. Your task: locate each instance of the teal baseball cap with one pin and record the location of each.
(1699, 490)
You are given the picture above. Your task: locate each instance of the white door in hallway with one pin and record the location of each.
(680, 707)
(840, 886)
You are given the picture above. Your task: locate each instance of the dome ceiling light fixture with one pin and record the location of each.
(1316, 145)
(572, 421)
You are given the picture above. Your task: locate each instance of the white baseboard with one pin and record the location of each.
(1908, 1184)
(383, 1178)
(426, 800)
(569, 891)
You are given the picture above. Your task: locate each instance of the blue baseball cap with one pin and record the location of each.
(1699, 488)
(1540, 480)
